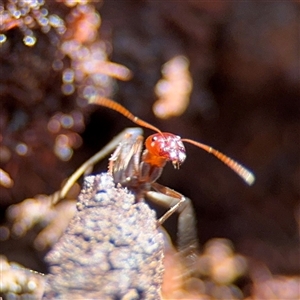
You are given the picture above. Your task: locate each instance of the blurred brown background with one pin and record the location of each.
(245, 65)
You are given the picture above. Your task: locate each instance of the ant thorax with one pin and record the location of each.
(167, 147)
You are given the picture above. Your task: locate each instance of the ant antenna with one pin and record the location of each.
(246, 175)
(122, 110)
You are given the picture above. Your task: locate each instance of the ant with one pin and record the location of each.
(139, 171)
(163, 146)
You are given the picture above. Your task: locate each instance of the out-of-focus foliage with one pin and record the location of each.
(174, 89)
(53, 60)
(16, 280)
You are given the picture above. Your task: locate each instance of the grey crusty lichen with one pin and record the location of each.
(110, 250)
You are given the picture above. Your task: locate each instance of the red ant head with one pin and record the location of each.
(167, 146)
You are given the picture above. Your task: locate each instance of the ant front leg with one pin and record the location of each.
(88, 165)
(187, 239)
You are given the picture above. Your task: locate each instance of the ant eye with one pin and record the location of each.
(154, 138)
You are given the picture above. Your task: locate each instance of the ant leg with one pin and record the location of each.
(187, 235)
(91, 162)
